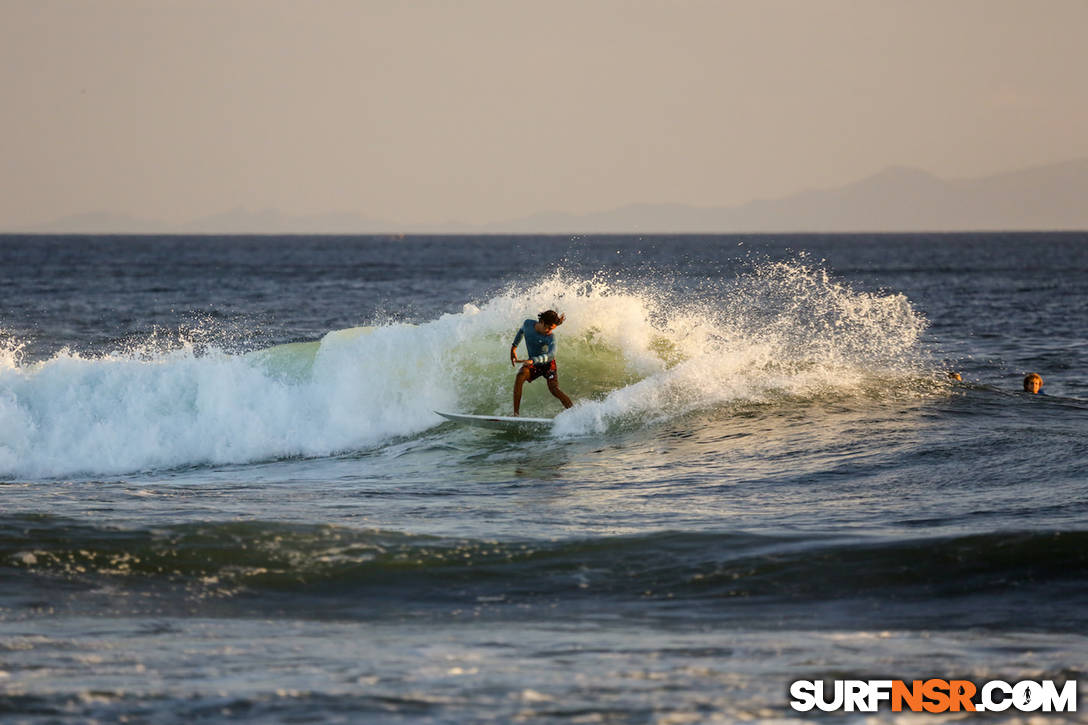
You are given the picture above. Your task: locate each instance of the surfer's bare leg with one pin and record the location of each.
(553, 388)
(519, 381)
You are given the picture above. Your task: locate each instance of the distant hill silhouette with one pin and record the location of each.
(1053, 197)
(238, 221)
(896, 199)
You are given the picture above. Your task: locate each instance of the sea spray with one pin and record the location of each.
(629, 355)
(781, 331)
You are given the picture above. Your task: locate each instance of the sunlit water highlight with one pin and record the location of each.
(226, 496)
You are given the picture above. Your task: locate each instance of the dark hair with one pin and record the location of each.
(548, 317)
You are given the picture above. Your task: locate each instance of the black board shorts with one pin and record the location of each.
(546, 370)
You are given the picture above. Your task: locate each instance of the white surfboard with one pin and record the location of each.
(499, 422)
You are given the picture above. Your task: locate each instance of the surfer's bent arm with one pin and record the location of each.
(514, 346)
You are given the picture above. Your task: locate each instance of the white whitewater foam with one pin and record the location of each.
(782, 330)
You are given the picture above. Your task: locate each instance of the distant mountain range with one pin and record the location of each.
(896, 199)
(1050, 197)
(237, 221)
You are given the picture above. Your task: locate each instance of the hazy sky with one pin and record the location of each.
(422, 112)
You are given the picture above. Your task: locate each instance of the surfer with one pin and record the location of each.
(540, 361)
(1033, 383)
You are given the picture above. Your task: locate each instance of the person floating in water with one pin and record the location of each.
(540, 356)
(1033, 383)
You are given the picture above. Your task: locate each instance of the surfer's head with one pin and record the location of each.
(1032, 383)
(550, 317)
(548, 320)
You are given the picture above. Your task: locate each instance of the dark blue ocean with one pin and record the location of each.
(225, 495)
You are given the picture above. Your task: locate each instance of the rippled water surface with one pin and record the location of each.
(225, 495)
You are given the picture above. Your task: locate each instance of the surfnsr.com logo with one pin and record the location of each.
(933, 695)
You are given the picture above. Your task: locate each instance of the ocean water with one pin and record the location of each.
(225, 495)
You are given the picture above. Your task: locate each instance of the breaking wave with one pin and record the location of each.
(629, 356)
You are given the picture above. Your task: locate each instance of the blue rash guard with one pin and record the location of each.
(541, 348)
